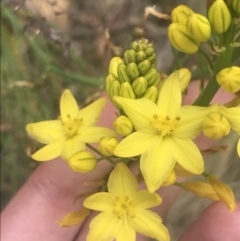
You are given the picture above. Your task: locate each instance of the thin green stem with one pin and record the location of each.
(205, 55)
(202, 79)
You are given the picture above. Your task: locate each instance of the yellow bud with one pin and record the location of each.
(223, 191)
(149, 51)
(215, 126)
(184, 76)
(151, 93)
(82, 161)
(107, 145)
(115, 61)
(126, 91)
(144, 66)
(170, 179)
(201, 189)
(114, 91)
(109, 81)
(180, 14)
(229, 79)
(150, 76)
(130, 56)
(139, 86)
(122, 73)
(219, 16)
(123, 126)
(179, 38)
(132, 71)
(236, 5)
(198, 27)
(140, 56)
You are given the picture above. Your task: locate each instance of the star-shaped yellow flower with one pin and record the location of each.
(71, 131)
(124, 211)
(164, 133)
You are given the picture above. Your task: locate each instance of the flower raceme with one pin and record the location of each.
(68, 135)
(124, 210)
(164, 133)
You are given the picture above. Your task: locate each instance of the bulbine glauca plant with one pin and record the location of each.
(156, 130)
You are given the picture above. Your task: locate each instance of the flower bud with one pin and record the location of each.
(229, 79)
(130, 56)
(170, 179)
(135, 46)
(139, 86)
(123, 126)
(122, 73)
(140, 56)
(156, 80)
(150, 76)
(151, 93)
(198, 27)
(219, 16)
(154, 64)
(82, 161)
(126, 91)
(223, 191)
(114, 91)
(109, 81)
(184, 76)
(152, 58)
(107, 145)
(149, 51)
(236, 5)
(180, 14)
(200, 189)
(144, 66)
(180, 39)
(215, 126)
(132, 71)
(115, 61)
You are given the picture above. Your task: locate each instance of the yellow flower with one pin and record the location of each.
(124, 210)
(164, 134)
(71, 131)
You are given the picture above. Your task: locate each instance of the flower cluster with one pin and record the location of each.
(155, 129)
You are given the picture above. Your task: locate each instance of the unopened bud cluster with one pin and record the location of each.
(135, 76)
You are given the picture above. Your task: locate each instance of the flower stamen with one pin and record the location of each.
(123, 207)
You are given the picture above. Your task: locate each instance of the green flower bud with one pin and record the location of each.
(122, 73)
(152, 58)
(130, 56)
(132, 71)
(126, 91)
(184, 76)
(114, 91)
(135, 46)
(151, 93)
(156, 80)
(82, 161)
(139, 86)
(229, 79)
(140, 56)
(109, 81)
(123, 126)
(215, 126)
(179, 38)
(144, 66)
(154, 64)
(219, 16)
(198, 27)
(180, 14)
(149, 51)
(107, 145)
(150, 76)
(236, 5)
(115, 61)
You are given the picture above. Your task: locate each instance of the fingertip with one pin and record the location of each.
(216, 223)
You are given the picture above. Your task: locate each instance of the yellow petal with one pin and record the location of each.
(190, 125)
(144, 199)
(188, 155)
(126, 233)
(46, 131)
(157, 164)
(74, 218)
(102, 201)
(49, 151)
(238, 147)
(122, 182)
(139, 111)
(95, 133)
(170, 96)
(180, 171)
(150, 224)
(104, 227)
(91, 114)
(71, 146)
(136, 144)
(68, 105)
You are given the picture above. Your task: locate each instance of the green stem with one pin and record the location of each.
(207, 58)
(202, 72)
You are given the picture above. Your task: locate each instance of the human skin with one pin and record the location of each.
(48, 195)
